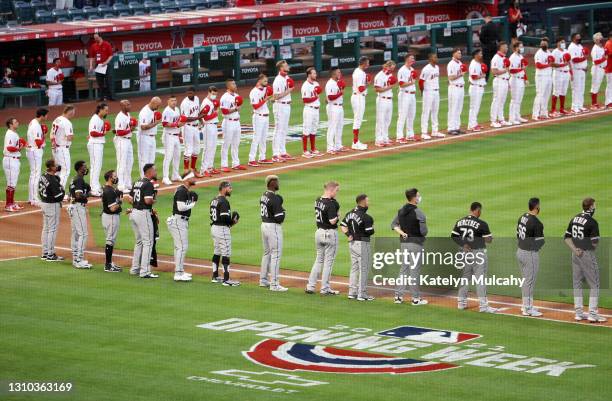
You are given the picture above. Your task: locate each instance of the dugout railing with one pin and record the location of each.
(583, 13)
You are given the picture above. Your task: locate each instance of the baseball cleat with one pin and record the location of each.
(564, 112)
(330, 292)
(253, 164)
(359, 146)
(307, 291)
(54, 258)
(176, 178)
(417, 138)
(166, 181)
(231, 283)
(278, 159)
(278, 288)
(365, 298)
(462, 305)
(207, 174)
(595, 318)
(307, 155)
(410, 138)
(226, 170)
(96, 194)
(215, 171)
(437, 135)
(609, 106)
(380, 144)
(419, 301)
(182, 277)
(506, 123)
(580, 316)
(239, 167)
(150, 275)
(401, 141)
(316, 153)
(523, 120)
(265, 161)
(44, 256)
(488, 309)
(398, 300)
(110, 268)
(531, 312)
(11, 208)
(264, 284)
(216, 280)
(496, 125)
(81, 264)
(352, 296)
(332, 152)
(583, 109)
(425, 137)
(287, 156)
(342, 149)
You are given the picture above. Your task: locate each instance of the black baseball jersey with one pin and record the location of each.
(326, 209)
(271, 208)
(359, 223)
(584, 231)
(79, 185)
(472, 231)
(220, 212)
(530, 232)
(142, 189)
(49, 189)
(111, 197)
(413, 222)
(183, 195)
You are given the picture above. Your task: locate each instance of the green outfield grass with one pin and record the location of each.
(119, 338)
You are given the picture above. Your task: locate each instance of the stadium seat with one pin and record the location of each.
(106, 11)
(121, 9)
(136, 7)
(92, 17)
(198, 3)
(60, 14)
(216, 3)
(152, 7)
(89, 11)
(75, 14)
(43, 17)
(184, 5)
(24, 13)
(168, 6)
(38, 5)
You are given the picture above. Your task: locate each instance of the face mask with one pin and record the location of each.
(58, 169)
(86, 171)
(521, 50)
(591, 212)
(578, 41)
(419, 199)
(213, 97)
(544, 47)
(562, 46)
(115, 181)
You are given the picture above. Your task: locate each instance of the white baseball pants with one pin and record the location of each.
(61, 154)
(35, 160)
(560, 83)
(517, 90)
(597, 76)
(335, 122)
(578, 89)
(455, 106)
(310, 117)
(231, 140)
(500, 93)
(543, 91)
(358, 103)
(56, 96)
(125, 161)
(210, 146)
(191, 139)
(96, 156)
(384, 113)
(282, 113)
(609, 88)
(260, 133)
(172, 154)
(431, 105)
(406, 111)
(147, 147)
(11, 167)
(475, 92)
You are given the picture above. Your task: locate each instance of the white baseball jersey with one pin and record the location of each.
(62, 131)
(171, 116)
(558, 55)
(228, 102)
(279, 85)
(405, 75)
(476, 70)
(145, 117)
(541, 57)
(430, 74)
(122, 123)
(190, 108)
(498, 63)
(209, 108)
(454, 68)
(598, 53)
(11, 140)
(381, 80)
(332, 89)
(308, 91)
(516, 66)
(256, 96)
(96, 124)
(360, 78)
(52, 74)
(577, 52)
(142, 70)
(34, 133)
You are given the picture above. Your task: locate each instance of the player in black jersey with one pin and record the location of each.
(222, 219)
(112, 199)
(51, 194)
(530, 237)
(143, 197)
(79, 192)
(272, 216)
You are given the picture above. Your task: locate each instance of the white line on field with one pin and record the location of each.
(18, 258)
(346, 157)
(288, 276)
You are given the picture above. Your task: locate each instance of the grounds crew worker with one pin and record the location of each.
(51, 194)
(582, 237)
(112, 199)
(530, 235)
(77, 210)
(272, 216)
(410, 223)
(358, 226)
(222, 219)
(178, 223)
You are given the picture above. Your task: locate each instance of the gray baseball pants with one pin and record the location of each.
(51, 219)
(142, 224)
(179, 229)
(585, 268)
(529, 263)
(78, 225)
(411, 271)
(272, 238)
(326, 242)
(361, 259)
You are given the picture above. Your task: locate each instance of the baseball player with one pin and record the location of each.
(411, 225)
(272, 218)
(190, 108)
(112, 200)
(429, 83)
(10, 162)
(598, 69)
(222, 219)
(124, 124)
(518, 80)
(310, 115)
(259, 97)
(54, 79)
(209, 113)
(455, 70)
(230, 108)
(77, 211)
(37, 130)
(98, 127)
(543, 80)
(148, 119)
(172, 121)
(608, 51)
(478, 72)
(561, 77)
(61, 140)
(178, 224)
(327, 216)
(530, 236)
(51, 194)
(384, 82)
(582, 237)
(283, 86)
(143, 196)
(578, 65)
(334, 92)
(358, 226)
(406, 100)
(472, 234)
(361, 80)
(500, 66)
(144, 72)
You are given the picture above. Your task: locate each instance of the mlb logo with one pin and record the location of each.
(429, 335)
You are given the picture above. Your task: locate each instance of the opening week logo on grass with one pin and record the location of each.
(344, 350)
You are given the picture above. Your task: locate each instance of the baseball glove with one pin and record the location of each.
(235, 217)
(194, 196)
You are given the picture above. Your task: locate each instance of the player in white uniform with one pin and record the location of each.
(283, 85)
(361, 80)
(334, 93)
(259, 97)
(518, 79)
(10, 162)
(561, 77)
(190, 108)
(209, 112)
(478, 73)
(98, 128)
(172, 121)
(429, 83)
(406, 100)
(384, 82)
(54, 79)
(37, 130)
(310, 115)
(598, 69)
(148, 119)
(144, 72)
(61, 140)
(455, 70)
(124, 124)
(500, 66)
(230, 107)
(543, 81)
(579, 66)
